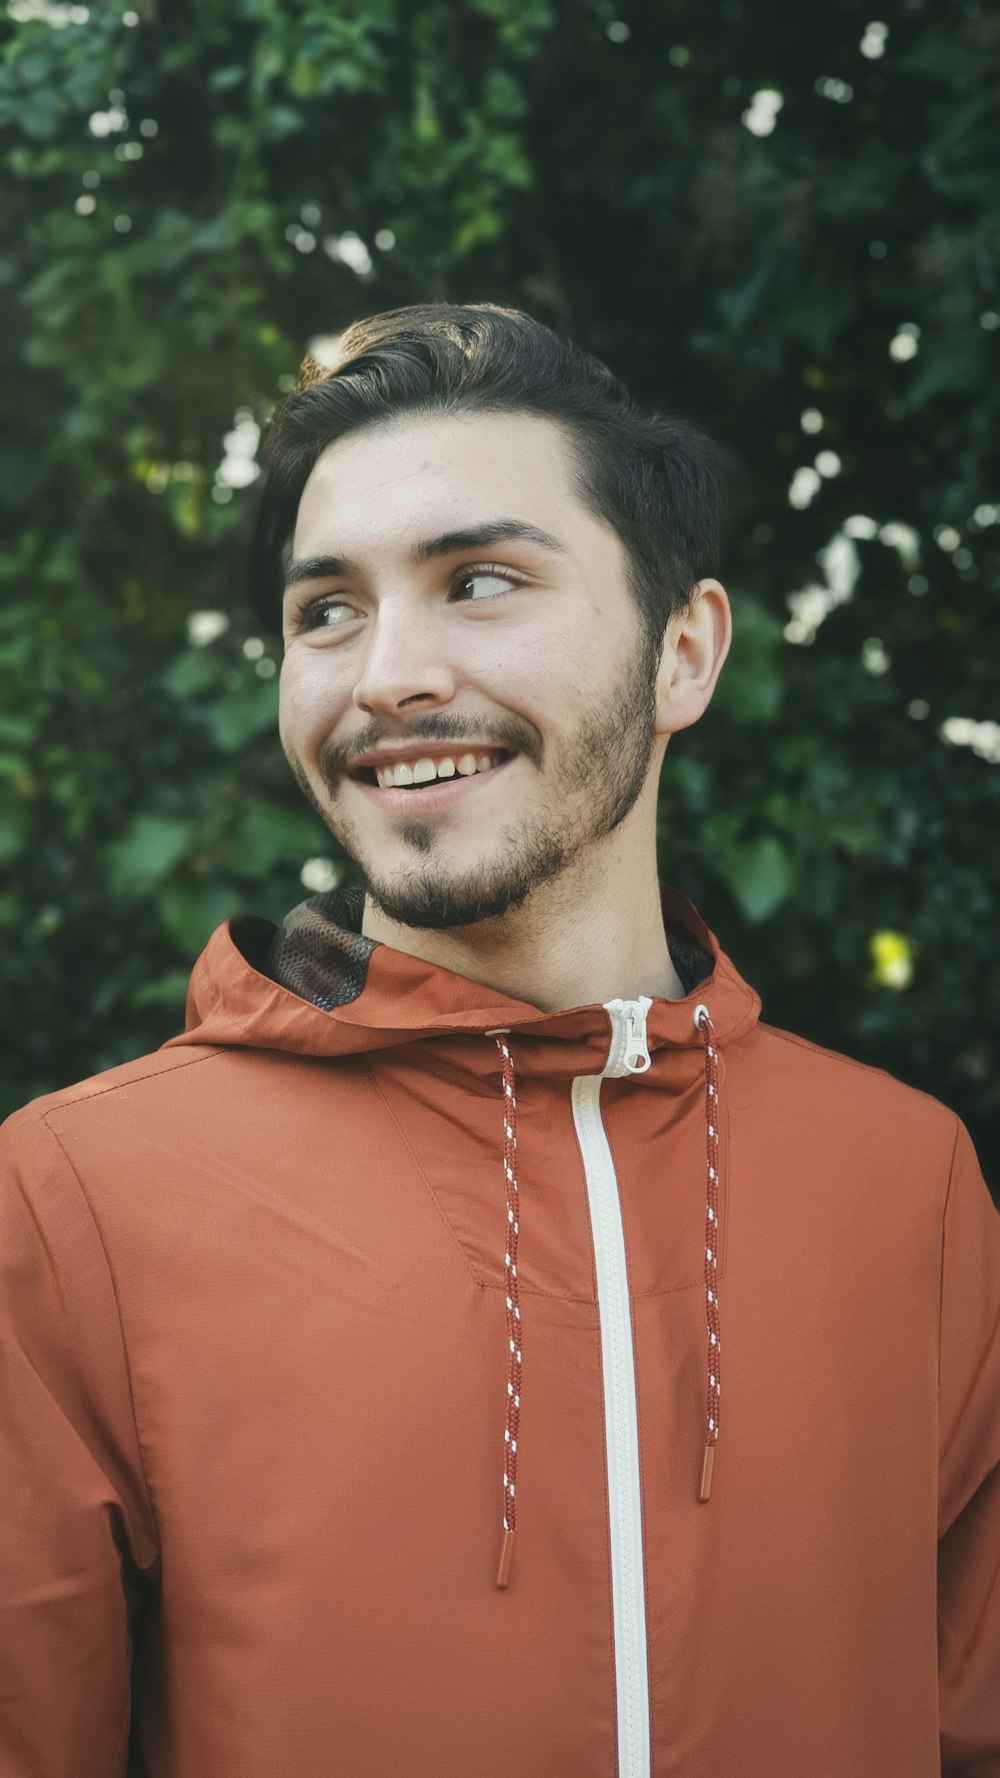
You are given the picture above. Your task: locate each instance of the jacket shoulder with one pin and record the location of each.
(99, 1091)
(854, 1087)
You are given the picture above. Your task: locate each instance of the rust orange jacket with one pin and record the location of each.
(266, 1352)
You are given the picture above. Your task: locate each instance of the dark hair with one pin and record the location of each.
(654, 478)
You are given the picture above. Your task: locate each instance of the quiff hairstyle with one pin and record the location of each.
(654, 478)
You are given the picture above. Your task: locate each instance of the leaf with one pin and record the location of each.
(40, 115)
(195, 671)
(192, 911)
(163, 990)
(13, 833)
(150, 849)
(760, 876)
(954, 367)
(752, 685)
(817, 310)
(303, 78)
(244, 714)
(223, 80)
(272, 833)
(16, 730)
(738, 305)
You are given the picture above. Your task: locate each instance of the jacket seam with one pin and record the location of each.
(121, 1334)
(598, 1368)
(550, 1296)
(126, 1724)
(119, 1086)
(555, 1296)
(726, 1211)
(942, 1531)
(944, 1221)
(463, 1256)
(818, 1049)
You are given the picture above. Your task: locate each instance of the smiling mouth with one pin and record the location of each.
(421, 773)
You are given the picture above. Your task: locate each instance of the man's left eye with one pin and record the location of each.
(501, 579)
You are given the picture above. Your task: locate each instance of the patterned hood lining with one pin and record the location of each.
(319, 953)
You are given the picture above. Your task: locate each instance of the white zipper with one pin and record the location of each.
(628, 1055)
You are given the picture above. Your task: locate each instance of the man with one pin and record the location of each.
(363, 1349)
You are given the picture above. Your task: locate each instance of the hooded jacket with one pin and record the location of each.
(398, 1379)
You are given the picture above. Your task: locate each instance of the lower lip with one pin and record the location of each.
(440, 793)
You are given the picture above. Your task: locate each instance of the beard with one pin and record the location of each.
(596, 778)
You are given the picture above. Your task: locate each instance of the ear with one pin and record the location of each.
(695, 647)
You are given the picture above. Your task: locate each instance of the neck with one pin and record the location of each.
(570, 944)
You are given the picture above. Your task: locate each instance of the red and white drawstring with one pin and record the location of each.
(706, 1031)
(513, 1310)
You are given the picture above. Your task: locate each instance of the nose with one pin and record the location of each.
(405, 663)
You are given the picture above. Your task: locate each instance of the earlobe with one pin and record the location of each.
(695, 647)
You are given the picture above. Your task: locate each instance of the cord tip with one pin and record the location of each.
(506, 1559)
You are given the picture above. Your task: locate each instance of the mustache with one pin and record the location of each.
(513, 733)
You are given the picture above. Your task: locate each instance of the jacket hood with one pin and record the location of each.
(316, 986)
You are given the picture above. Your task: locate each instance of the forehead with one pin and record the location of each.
(384, 486)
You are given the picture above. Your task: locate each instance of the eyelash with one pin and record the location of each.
(486, 571)
(310, 614)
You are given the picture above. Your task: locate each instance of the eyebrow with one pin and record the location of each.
(477, 536)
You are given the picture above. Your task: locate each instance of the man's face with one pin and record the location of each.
(508, 675)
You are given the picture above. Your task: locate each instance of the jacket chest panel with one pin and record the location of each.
(656, 1137)
(365, 1454)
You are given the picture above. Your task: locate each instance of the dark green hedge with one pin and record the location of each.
(194, 192)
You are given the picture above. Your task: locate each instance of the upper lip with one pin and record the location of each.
(379, 757)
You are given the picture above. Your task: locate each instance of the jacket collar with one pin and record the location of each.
(314, 985)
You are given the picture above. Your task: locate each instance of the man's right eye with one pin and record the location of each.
(313, 616)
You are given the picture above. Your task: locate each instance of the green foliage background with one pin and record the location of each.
(193, 193)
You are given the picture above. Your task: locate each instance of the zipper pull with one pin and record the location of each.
(629, 1051)
(637, 1056)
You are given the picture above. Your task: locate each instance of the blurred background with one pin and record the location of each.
(781, 221)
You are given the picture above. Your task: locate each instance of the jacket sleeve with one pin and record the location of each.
(76, 1527)
(969, 1494)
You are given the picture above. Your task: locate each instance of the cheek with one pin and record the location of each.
(536, 671)
(310, 703)
(572, 673)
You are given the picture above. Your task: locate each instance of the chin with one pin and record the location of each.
(440, 901)
(448, 909)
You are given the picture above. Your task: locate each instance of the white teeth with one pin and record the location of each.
(426, 770)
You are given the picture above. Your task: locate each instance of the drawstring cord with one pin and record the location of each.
(706, 1031)
(509, 1519)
